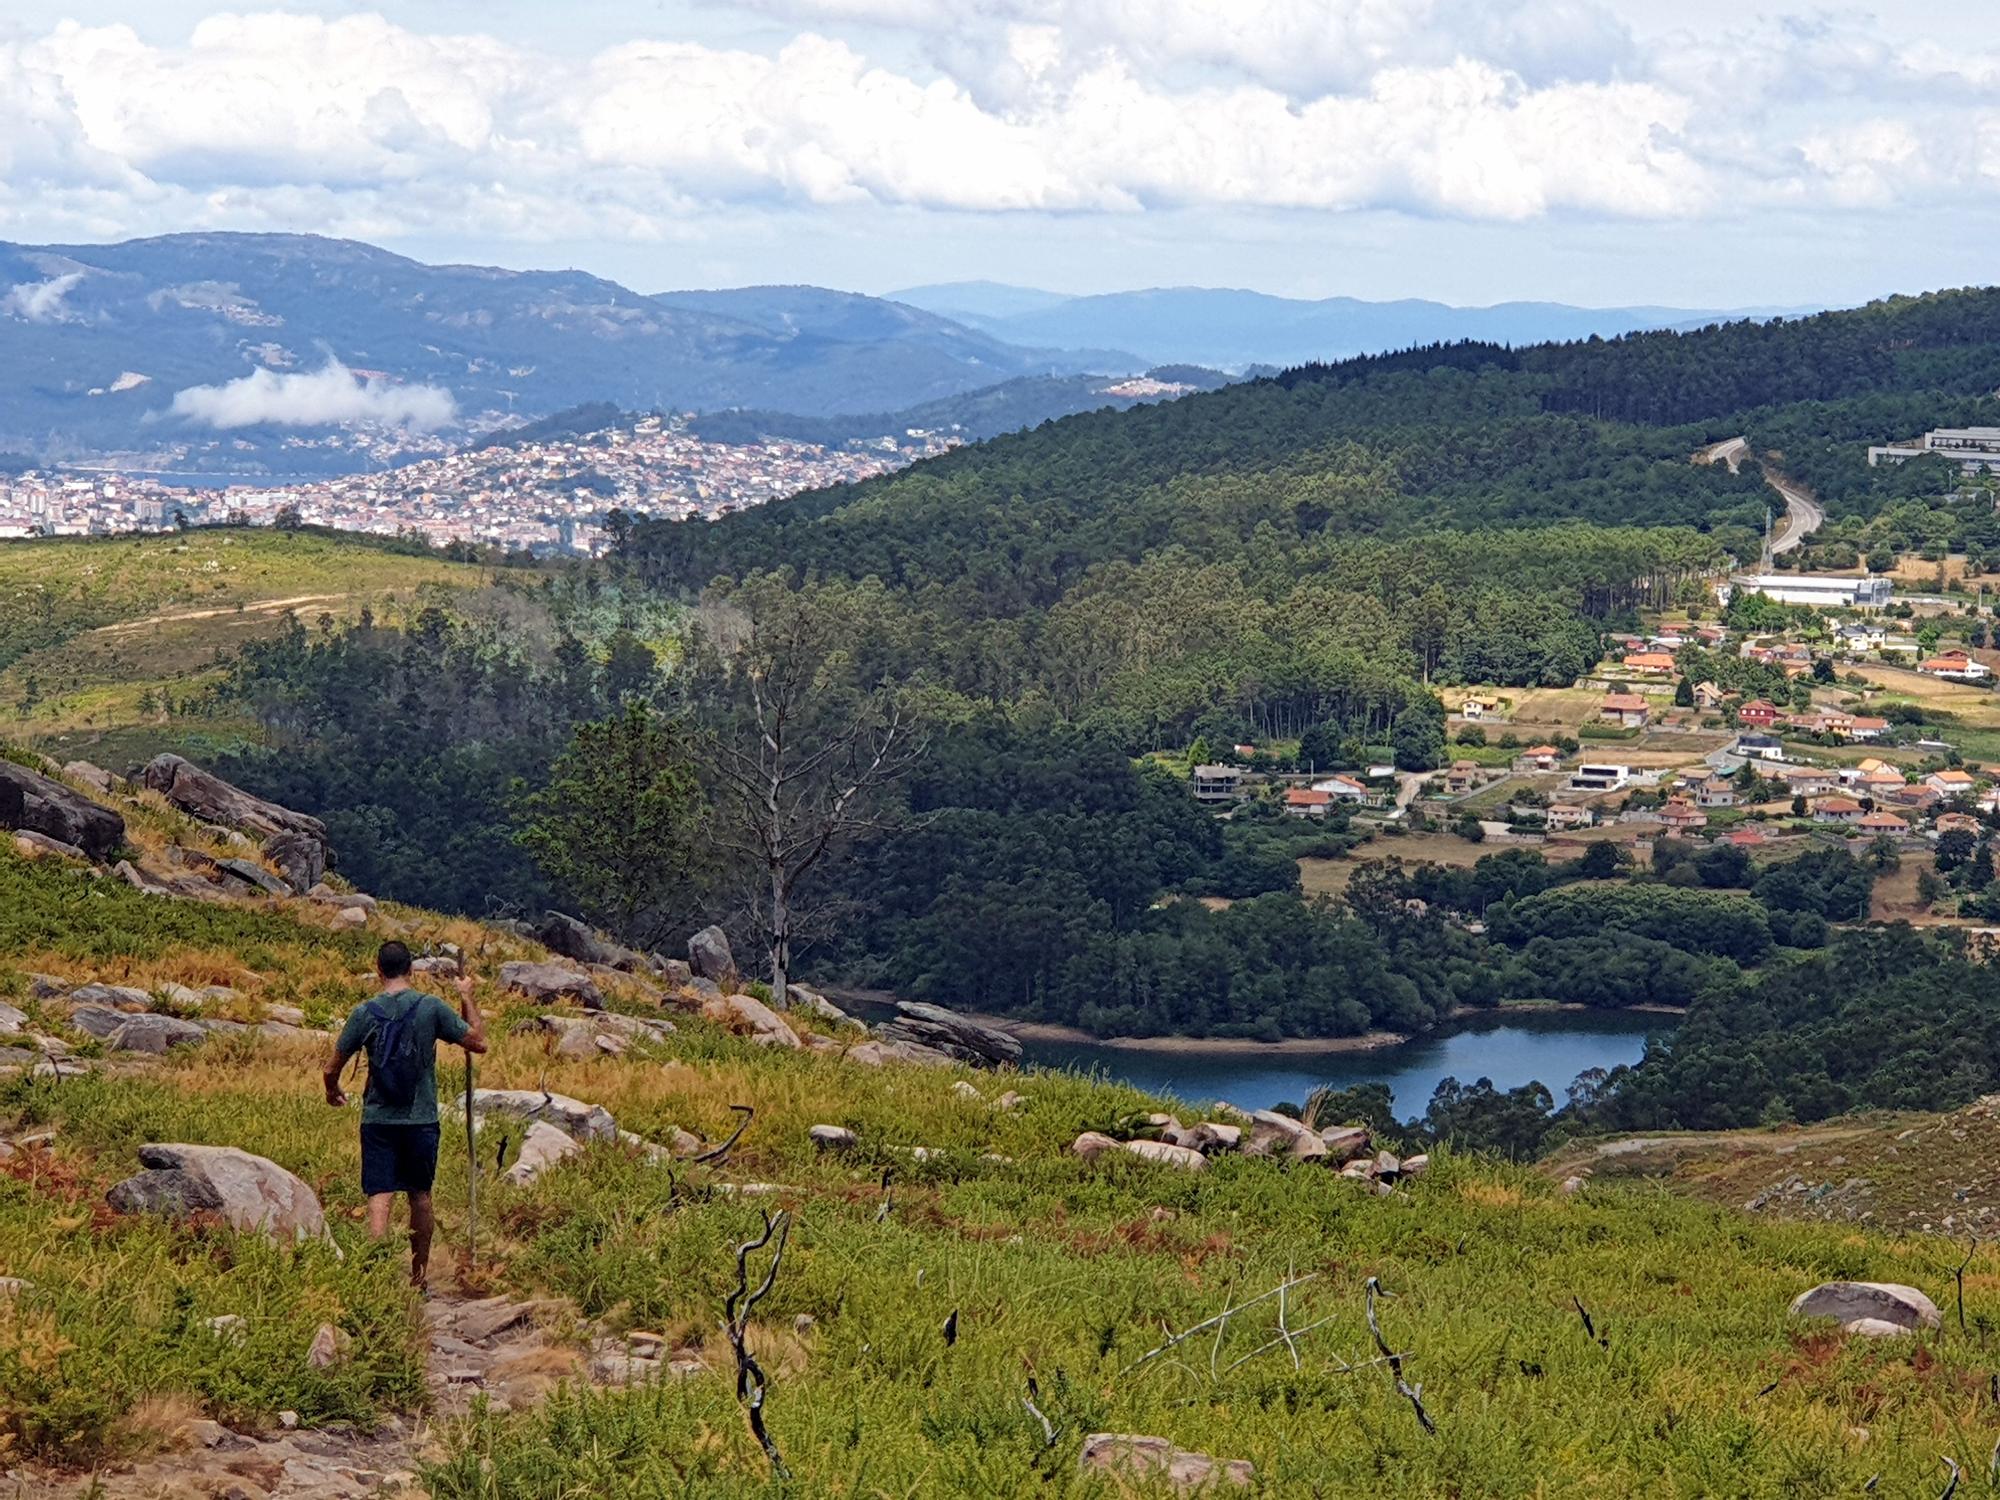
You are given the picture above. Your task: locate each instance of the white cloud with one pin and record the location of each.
(1498, 110)
(40, 301)
(333, 396)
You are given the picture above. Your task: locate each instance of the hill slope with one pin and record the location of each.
(101, 338)
(921, 1296)
(1234, 328)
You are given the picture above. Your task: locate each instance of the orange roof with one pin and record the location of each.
(1885, 821)
(1956, 778)
(1623, 702)
(1746, 837)
(1861, 722)
(1650, 661)
(1838, 805)
(1541, 750)
(1300, 796)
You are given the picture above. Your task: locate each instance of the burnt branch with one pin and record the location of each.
(722, 1151)
(1049, 1433)
(751, 1383)
(1413, 1393)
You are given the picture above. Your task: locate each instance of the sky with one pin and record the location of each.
(1693, 153)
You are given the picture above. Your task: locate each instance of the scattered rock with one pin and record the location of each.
(141, 1033)
(1571, 1186)
(201, 1432)
(833, 1138)
(302, 857)
(1307, 1146)
(126, 871)
(1092, 1144)
(1211, 1136)
(47, 987)
(1415, 1166)
(34, 845)
(289, 1420)
(1273, 1134)
(1128, 1456)
(564, 934)
(710, 958)
(586, 1122)
(541, 1148)
(1875, 1328)
(35, 803)
(1010, 1101)
(966, 1091)
(814, 1004)
(1184, 1157)
(747, 1012)
(328, 1347)
(1344, 1142)
(1386, 1165)
(232, 1327)
(95, 777)
(600, 1032)
(113, 996)
(250, 1192)
(948, 1032)
(13, 1286)
(326, 895)
(1873, 1301)
(549, 982)
(252, 876)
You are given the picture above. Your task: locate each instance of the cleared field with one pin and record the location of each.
(1975, 706)
(96, 632)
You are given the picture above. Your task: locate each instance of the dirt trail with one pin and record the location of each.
(254, 607)
(512, 1353)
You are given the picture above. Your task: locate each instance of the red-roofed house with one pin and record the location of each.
(1627, 709)
(1681, 816)
(1542, 757)
(1649, 661)
(1881, 822)
(1955, 666)
(1838, 810)
(1304, 802)
(1950, 783)
(1757, 714)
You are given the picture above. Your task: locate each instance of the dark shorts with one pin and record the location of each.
(398, 1158)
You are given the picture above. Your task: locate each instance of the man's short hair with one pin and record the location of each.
(392, 960)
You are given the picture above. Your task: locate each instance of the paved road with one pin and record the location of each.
(1803, 515)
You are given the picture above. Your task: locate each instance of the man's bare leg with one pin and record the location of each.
(379, 1205)
(421, 1224)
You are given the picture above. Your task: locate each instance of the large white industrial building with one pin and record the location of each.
(1973, 449)
(1826, 590)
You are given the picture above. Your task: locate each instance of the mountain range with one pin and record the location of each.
(1234, 328)
(293, 353)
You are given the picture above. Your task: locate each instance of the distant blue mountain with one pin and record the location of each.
(1232, 329)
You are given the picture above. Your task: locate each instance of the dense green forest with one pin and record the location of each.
(1312, 556)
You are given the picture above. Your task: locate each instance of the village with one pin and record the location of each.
(1882, 734)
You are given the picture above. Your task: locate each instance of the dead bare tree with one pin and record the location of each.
(801, 753)
(750, 1380)
(717, 1154)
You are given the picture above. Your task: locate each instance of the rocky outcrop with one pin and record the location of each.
(302, 857)
(35, 845)
(948, 1032)
(208, 797)
(832, 1138)
(251, 877)
(1093, 1144)
(550, 982)
(135, 1033)
(1186, 1158)
(1130, 1458)
(813, 1003)
(600, 1032)
(33, 802)
(586, 1122)
(541, 1148)
(251, 1193)
(710, 958)
(875, 1052)
(116, 996)
(748, 1013)
(572, 939)
(1852, 1302)
(95, 777)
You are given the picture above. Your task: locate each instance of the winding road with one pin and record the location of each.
(1803, 515)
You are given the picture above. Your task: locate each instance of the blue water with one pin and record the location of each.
(1549, 1048)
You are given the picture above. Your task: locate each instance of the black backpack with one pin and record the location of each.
(395, 1055)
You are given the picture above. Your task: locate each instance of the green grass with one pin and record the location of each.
(1052, 1268)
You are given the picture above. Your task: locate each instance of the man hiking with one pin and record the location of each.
(400, 1029)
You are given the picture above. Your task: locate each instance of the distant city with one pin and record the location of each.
(544, 495)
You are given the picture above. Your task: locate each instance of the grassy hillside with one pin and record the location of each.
(90, 627)
(905, 1324)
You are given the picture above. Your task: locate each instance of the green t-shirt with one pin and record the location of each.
(433, 1021)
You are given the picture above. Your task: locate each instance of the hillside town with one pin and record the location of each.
(1880, 732)
(545, 495)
